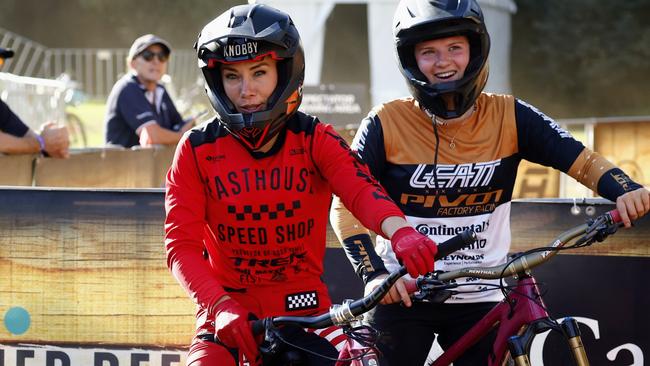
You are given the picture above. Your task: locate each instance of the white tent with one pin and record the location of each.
(386, 81)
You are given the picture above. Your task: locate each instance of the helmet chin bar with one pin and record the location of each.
(253, 138)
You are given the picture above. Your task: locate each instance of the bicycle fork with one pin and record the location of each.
(520, 344)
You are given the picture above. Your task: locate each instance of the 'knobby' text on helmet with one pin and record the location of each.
(250, 33)
(416, 21)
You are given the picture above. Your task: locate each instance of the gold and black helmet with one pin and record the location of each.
(416, 21)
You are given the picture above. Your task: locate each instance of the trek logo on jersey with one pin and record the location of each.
(237, 50)
(454, 176)
(297, 151)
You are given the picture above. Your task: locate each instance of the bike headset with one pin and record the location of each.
(250, 33)
(416, 21)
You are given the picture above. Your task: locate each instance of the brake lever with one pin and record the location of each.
(597, 230)
(606, 231)
(271, 345)
(434, 290)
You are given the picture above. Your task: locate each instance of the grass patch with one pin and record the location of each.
(91, 118)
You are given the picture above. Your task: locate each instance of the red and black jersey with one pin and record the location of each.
(265, 214)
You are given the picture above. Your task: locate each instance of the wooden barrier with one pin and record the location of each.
(89, 266)
(90, 168)
(626, 145)
(104, 168)
(107, 168)
(16, 170)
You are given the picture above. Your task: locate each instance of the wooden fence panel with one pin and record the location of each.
(16, 170)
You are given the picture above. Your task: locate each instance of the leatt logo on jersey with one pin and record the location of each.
(449, 176)
(236, 50)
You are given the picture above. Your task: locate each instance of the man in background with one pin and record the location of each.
(17, 138)
(139, 109)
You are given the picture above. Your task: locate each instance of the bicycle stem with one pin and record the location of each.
(344, 313)
(347, 311)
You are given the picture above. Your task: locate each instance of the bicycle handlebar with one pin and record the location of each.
(526, 262)
(343, 313)
(348, 311)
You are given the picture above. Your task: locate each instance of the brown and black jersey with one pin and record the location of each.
(471, 183)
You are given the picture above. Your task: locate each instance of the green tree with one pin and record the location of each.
(104, 23)
(582, 58)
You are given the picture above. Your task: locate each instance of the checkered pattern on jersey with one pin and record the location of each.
(249, 212)
(301, 300)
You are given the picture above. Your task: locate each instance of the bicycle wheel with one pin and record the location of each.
(76, 130)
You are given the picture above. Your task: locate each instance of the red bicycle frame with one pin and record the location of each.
(522, 314)
(511, 315)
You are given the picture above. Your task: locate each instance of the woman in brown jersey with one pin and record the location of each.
(448, 156)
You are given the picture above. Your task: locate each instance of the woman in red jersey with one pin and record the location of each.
(248, 193)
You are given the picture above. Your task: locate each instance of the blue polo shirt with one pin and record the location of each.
(10, 123)
(128, 108)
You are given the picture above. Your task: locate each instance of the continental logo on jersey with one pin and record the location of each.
(466, 175)
(456, 205)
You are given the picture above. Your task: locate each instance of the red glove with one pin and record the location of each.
(416, 251)
(233, 329)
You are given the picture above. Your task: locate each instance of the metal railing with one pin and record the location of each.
(94, 69)
(34, 100)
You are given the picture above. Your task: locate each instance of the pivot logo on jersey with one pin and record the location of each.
(457, 205)
(237, 50)
(458, 176)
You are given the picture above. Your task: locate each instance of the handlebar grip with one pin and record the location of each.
(447, 247)
(615, 216)
(411, 286)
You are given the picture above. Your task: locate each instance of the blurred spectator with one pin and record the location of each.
(139, 109)
(17, 138)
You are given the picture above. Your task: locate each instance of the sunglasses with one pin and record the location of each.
(149, 55)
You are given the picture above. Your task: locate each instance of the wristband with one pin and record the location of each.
(41, 142)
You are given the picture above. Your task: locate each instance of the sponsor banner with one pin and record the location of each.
(608, 297)
(49, 355)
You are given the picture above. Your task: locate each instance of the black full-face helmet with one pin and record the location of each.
(416, 21)
(250, 33)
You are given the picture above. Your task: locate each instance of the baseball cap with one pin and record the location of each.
(145, 41)
(6, 53)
